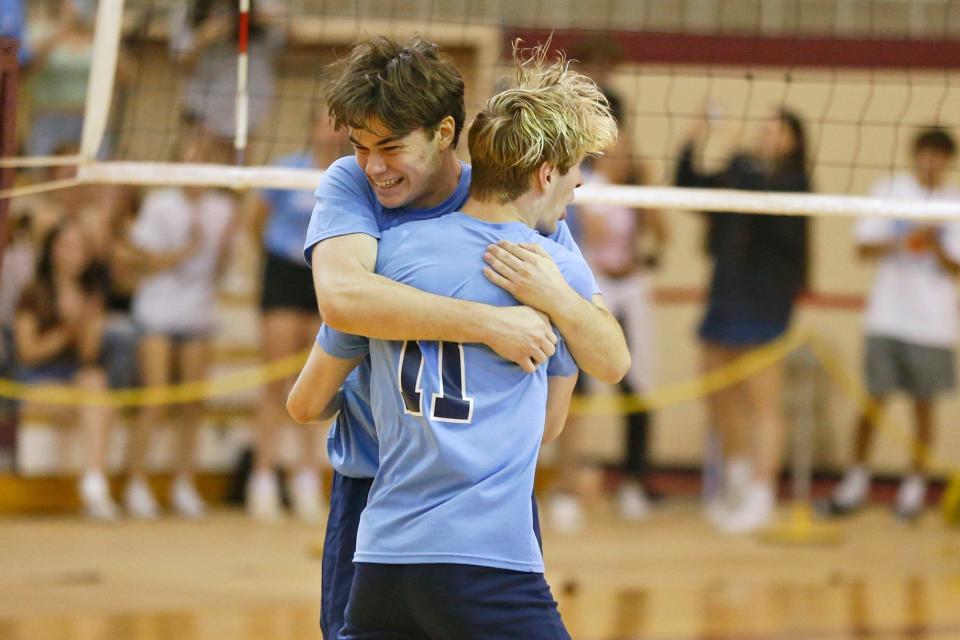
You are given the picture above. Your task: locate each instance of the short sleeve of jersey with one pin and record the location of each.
(344, 205)
(561, 364)
(345, 346)
(576, 272)
(564, 238)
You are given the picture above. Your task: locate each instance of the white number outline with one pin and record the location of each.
(440, 394)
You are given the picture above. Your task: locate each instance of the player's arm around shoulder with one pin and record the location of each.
(566, 293)
(342, 247)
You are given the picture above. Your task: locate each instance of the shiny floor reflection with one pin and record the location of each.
(670, 578)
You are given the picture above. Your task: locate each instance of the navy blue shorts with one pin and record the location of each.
(450, 602)
(348, 498)
(736, 328)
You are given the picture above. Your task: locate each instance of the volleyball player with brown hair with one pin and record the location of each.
(402, 103)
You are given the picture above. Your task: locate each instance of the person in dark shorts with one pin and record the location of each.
(759, 270)
(288, 323)
(58, 333)
(911, 318)
(386, 185)
(446, 545)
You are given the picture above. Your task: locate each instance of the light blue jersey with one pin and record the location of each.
(290, 210)
(346, 204)
(459, 427)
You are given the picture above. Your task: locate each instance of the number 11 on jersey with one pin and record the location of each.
(450, 403)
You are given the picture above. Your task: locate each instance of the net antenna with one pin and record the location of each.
(243, 70)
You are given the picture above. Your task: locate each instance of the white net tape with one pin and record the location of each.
(159, 174)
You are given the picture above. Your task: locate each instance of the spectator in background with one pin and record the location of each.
(759, 269)
(11, 26)
(58, 329)
(621, 245)
(289, 324)
(911, 318)
(183, 236)
(16, 274)
(203, 42)
(57, 73)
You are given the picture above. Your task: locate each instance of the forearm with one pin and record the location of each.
(150, 262)
(315, 395)
(876, 251)
(43, 347)
(367, 304)
(594, 338)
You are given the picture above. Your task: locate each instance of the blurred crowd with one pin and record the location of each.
(116, 287)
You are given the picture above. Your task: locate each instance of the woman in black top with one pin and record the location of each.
(759, 269)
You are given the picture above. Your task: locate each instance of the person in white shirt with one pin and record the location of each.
(184, 235)
(911, 318)
(622, 246)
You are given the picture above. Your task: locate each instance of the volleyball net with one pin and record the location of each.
(862, 75)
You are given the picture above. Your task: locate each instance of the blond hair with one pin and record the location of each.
(553, 115)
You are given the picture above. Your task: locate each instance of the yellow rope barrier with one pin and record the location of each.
(251, 377)
(740, 369)
(247, 378)
(737, 371)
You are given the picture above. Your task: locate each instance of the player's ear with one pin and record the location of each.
(544, 176)
(445, 132)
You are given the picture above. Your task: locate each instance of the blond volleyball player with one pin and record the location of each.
(402, 104)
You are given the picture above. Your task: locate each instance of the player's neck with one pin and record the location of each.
(493, 211)
(446, 182)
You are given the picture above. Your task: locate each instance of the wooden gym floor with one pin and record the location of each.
(671, 578)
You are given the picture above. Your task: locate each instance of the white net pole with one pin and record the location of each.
(106, 45)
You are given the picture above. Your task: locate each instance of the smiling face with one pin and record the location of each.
(403, 169)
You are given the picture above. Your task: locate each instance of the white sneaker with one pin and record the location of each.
(263, 497)
(305, 493)
(95, 496)
(139, 501)
(737, 476)
(753, 513)
(633, 502)
(566, 514)
(911, 497)
(851, 493)
(186, 501)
